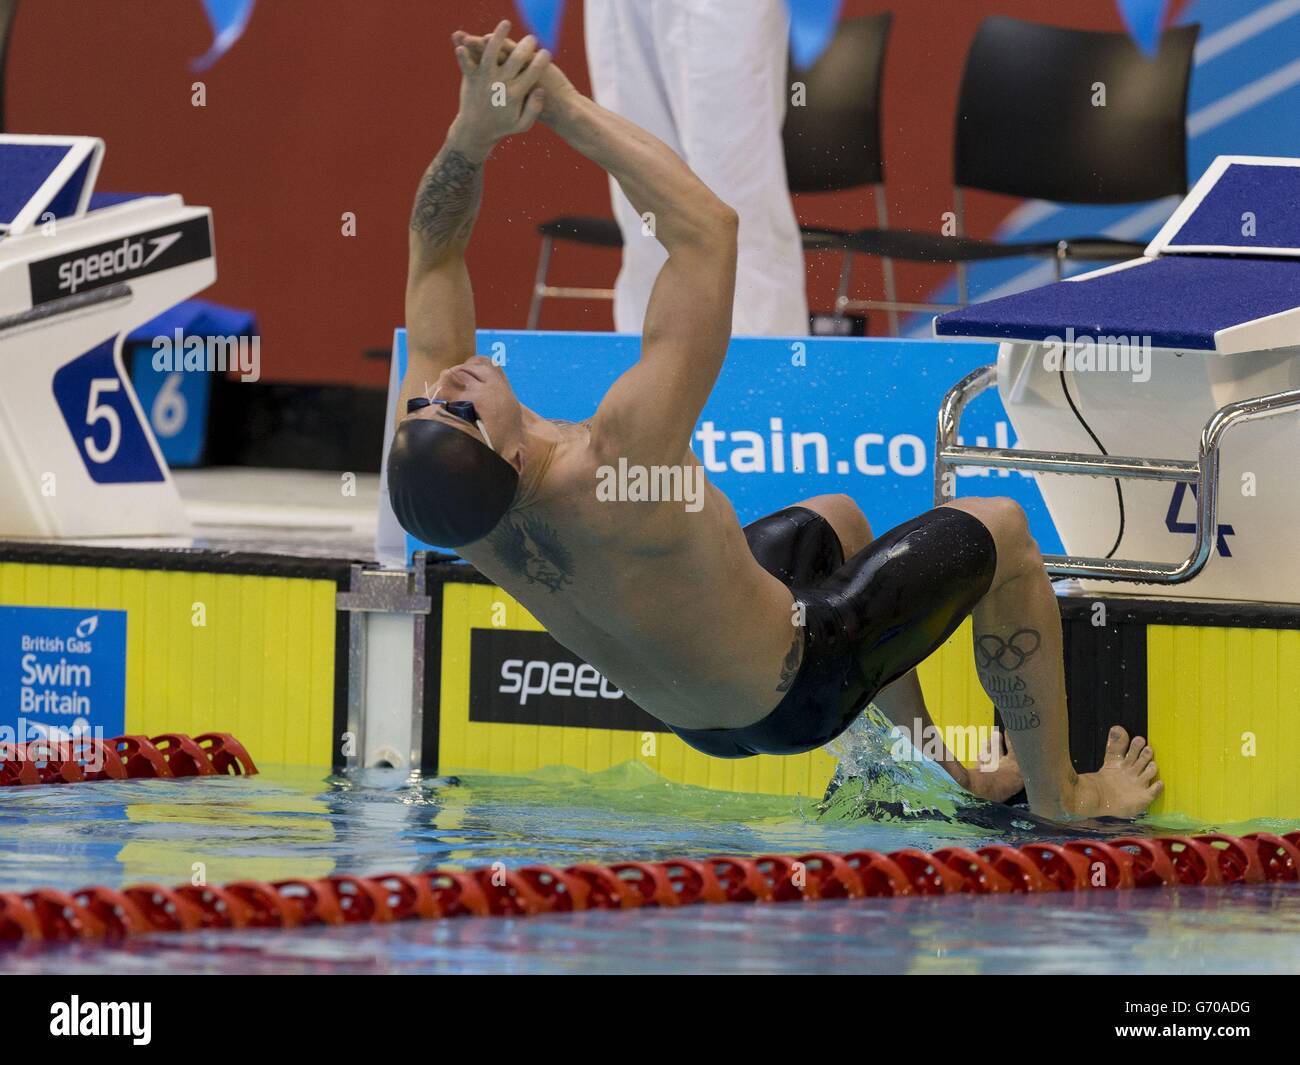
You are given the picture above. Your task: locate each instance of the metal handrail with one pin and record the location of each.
(1204, 473)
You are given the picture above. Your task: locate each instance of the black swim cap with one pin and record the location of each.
(447, 488)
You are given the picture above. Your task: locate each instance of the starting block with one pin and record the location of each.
(79, 272)
(1172, 383)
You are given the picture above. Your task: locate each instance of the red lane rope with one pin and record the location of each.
(80, 759)
(495, 891)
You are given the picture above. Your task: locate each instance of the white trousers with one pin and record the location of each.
(708, 78)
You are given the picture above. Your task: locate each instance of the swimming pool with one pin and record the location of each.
(300, 823)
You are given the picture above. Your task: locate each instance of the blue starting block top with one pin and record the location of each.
(100, 201)
(1222, 275)
(1243, 205)
(44, 177)
(1178, 301)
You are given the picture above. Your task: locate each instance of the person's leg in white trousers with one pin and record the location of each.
(708, 77)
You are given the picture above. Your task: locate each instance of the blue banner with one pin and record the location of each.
(543, 19)
(1144, 19)
(62, 673)
(812, 27)
(228, 19)
(794, 418)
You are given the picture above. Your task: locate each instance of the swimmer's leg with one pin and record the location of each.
(903, 701)
(1020, 663)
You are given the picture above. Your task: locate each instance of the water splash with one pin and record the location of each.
(882, 777)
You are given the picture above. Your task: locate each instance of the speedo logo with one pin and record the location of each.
(525, 679)
(102, 266)
(122, 259)
(520, 677)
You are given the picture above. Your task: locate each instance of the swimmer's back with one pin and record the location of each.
(667, 602)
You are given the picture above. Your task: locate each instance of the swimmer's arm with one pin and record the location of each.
(652, 409)
(439, 299)
(440, 321)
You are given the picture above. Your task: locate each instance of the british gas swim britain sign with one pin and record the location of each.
(62, 673)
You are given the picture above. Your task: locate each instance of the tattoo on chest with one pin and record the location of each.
(530, 548)
(998, 663)
(790, 664)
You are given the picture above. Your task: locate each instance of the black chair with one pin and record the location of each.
(1028, 125)
(832, 142)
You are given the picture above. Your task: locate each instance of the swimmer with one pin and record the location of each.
(767, 639)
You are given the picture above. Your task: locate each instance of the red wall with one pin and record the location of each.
(328, 106)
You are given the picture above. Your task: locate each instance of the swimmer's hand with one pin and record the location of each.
(500, 94)
(557, 89)
(996, 776)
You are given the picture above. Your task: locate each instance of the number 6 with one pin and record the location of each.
(170, 408)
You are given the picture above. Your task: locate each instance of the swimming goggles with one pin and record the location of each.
(460, 408)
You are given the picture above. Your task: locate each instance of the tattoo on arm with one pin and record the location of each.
(447, 202)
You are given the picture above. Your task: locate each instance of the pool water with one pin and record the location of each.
(296, 823)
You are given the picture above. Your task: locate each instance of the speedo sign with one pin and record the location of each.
(520, 677)
(120, 260)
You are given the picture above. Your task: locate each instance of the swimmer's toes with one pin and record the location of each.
(1116, 744)
(1134, 783)
(1127, 782)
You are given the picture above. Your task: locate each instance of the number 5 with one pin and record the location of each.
(98, 412)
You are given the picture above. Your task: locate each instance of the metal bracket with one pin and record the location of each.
(1204, 473)
(388, 591)
(386, 725)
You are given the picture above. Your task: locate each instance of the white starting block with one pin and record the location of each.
(77, 273)
(1137, 376)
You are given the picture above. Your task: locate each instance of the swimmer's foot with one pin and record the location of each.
(996, 776)
(1125, 785)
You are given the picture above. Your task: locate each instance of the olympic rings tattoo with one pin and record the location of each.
(1009, 654)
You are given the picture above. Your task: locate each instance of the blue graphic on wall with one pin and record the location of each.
(228, 19)
(1144, 19)
(794, 418)
(62, 673)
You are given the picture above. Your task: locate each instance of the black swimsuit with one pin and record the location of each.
(867, 621)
